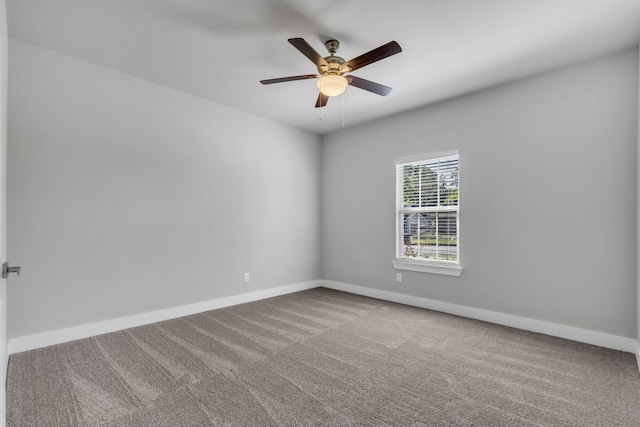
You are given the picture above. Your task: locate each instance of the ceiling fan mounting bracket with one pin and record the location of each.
(332, 46)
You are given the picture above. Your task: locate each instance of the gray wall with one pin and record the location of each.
(127, 197)
(548, 197)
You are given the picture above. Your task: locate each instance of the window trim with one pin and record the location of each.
(425, 266)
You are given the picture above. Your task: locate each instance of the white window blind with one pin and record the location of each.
(427, 209)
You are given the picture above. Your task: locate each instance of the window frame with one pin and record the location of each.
(450, 268)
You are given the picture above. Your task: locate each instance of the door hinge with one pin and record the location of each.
(6, 270)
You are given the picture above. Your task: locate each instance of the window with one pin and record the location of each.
(427, 214)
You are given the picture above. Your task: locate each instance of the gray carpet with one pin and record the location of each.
(322, 357)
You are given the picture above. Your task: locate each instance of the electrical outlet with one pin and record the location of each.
(247, 277)
(398, 277)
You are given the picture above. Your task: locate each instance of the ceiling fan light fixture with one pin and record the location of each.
(331, 81)
(332, 85)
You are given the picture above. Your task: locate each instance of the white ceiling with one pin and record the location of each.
(219, 50)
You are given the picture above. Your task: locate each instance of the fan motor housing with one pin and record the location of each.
(333, 66)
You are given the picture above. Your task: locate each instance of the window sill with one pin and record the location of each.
(423, 267)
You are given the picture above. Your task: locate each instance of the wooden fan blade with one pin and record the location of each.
(289, 79)
(308, 51)
(322, 100)
(368, 85)
(374, 55)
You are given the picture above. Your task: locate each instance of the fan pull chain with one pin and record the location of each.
(320, 109)
(344, 97)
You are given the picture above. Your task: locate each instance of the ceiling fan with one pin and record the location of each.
(331, 69)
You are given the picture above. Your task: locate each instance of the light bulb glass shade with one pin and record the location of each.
(332, 85)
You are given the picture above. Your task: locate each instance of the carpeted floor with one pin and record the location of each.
(322, 357)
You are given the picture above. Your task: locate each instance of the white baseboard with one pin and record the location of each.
(629, 345)
(30, 342)
(44, 339)
(3, 393)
